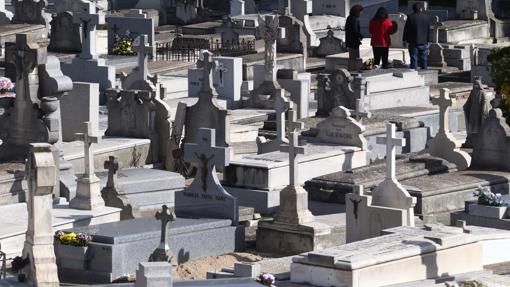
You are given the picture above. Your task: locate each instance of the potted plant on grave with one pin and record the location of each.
(266, 279)
(6, 88)
(488, 204)
(71, 249)
(499, 59)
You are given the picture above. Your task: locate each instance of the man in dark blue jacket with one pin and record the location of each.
(353, 36)
(416, 34)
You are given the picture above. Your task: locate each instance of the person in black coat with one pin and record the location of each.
(353, 36)
(416, 34)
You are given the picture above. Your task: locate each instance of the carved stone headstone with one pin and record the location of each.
(397, 38)
(340, 128)
(444, 145)
(334, 90)
(476, 110)
(88, 191)
(88, 18)
(205, 197)
(436, 53)
(41, 174)
(206, 113)
(65, 34)
(492, 145)
(390, 193)
(26, 121)
(330, 45)
(281, 105)
(139, 78)
(295, 40)
(140, 114)
(163, 252)
(29, 12)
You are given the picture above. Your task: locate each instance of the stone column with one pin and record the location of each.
(41, 174)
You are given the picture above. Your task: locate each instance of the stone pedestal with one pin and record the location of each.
(294, 206)
(88, 194)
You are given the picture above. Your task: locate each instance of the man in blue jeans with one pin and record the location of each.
(416, 34)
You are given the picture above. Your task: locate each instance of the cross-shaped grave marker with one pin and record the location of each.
(208, 65)
(391, 141)
(88, 19)
(281, 105)
(270, 32)
(112, 165)
(88, 191)
(293, 148)
(143, 51)
(163, 253)
(436, 23)
(444, 102)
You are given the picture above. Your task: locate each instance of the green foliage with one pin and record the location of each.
(123, 47)
(500, 71)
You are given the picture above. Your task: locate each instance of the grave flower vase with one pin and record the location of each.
(72, 257)
(498, 212)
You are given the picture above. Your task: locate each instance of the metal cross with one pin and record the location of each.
(444, 102)
(88, 138)
(162, 253)
(391, 141)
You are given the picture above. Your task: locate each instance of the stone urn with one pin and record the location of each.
(72, 257)
(498, 212)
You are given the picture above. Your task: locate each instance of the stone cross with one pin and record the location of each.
(88, 138)
(206, 156)
(112, 165)
(270, 32)
(391, 141)
(292, 124)
(444, 102)
(163, 253)
(143, 50)
(281, 105)
(41, 173)
(208, 65)
(436, 24)
(88, 19)
(293, 149)
(88, 191)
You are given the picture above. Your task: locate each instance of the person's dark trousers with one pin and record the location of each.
(381, 53)
(418, 54)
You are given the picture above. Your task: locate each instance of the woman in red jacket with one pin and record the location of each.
(381, 28)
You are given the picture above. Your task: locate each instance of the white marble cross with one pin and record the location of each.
(205, 155)
(293, 149)
(163, 253)
(88, 138)
(281, 105)
(88, 19)
(391, 141)
(143, 50)
(208, 65)
(444, 102)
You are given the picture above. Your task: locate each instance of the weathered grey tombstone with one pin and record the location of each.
(390, 193)
(334, 89)
(397, 38)
(154, 274)
(236, 8)
(29, 12)
(65, 34)
(302, 9)
(205, 197)
(41, 174)
(140, 114)
(293, 230)
(163, 253)
(80, 105)
(5, 15)
(24, 123)
(281, 105)
(297, 86)
(132, 26)
(295, 40)
(88, 191)
(476, 110)
(175, 157)
(206, 113)
(436, 50)
(491, 146)
(330, 45)
(87, 67)
(139, 78)
(340, 128)
(264, 95)
(444, 145)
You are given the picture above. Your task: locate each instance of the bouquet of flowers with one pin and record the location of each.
(79, 239)
(486, 197)
(5, 85)
(124, 47)
(266, 279)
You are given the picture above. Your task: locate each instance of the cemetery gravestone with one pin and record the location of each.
(163, 253)
(88, 191)
(131, 26)
(41, 175)
(5, 16)
(281, 105)
(206, 197)
(236, 8)
(341, 128)
(397, 38)
(29, 12)
(295, 40)
(436, 54)
(206, 113)
(154, 274)
(476, 110)
(139, 78)
(65, 34)
(330, 45)
(444, 145)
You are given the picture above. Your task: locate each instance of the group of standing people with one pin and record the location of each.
(416, 34)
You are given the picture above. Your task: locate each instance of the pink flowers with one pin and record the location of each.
(266, 279)
(5, 85)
